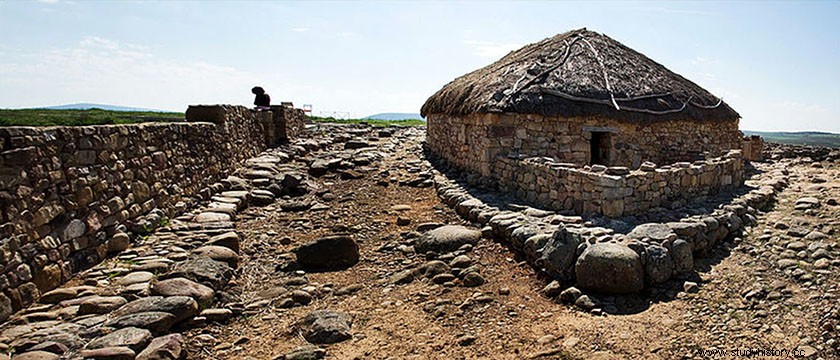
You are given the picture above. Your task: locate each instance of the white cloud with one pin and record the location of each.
(301, 29)
(49, 1)
(108, 71)
(490, 49)
(702, 60)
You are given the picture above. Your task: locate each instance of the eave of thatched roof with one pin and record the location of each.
(579, 73)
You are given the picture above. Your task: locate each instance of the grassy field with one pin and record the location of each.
(811, 138)
(407, 122)
(45, 117)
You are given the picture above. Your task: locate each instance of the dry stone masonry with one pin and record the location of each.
(615, 191)
(474, 141)
(595, 258)
(71, 195)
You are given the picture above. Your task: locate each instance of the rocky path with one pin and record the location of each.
(335, 247)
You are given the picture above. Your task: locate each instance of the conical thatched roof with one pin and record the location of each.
(579, 73)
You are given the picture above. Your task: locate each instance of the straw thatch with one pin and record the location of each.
(579, 73)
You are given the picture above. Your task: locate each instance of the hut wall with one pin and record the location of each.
(559, 186)
(472, 141)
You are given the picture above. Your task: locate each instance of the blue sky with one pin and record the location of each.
(776, 63)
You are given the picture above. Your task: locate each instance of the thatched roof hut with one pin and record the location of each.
(579, 73)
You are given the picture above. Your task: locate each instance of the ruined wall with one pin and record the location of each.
(289, 122)
(65, 191)
(615, 191)
(472, 142)
(753, 147)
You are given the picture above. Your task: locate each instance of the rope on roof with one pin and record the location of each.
(609, 102)
(515, 90)
(604, 70)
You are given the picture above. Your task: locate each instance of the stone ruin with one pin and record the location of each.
(70, 195)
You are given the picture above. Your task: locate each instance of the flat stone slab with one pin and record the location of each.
(133, 338)
(207, 217)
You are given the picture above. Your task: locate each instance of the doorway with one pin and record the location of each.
(599, 148)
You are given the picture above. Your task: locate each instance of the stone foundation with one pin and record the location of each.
(67, 192)
(614, 191)
(576, 252)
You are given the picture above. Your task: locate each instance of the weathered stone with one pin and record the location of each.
(136, 277)
(119, 242)
(49, 277)
(101, 305)
(130, 337)
(229, 240)
(203, 295)
(157, 322)
(167, 347)
(559, 254)
(207, 217)
(219, 253)
(37, 355)
(216, 315)
(326, 326)
(570, 295)
(658, 264)
(109, 353)
(446, 238)
(183, 307)
(204, 270)
(654, 231)
(682, 255)
(307, 352)
(610, 268)
(328, 253)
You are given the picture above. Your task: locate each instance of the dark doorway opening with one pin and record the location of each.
(599, 148)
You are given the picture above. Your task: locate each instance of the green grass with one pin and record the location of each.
(407, 122)
(811, 138)
(45, 117)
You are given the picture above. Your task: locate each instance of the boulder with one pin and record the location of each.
(658, 264)
(326, 326)
(559, 255)
(335, 252)
(610, 268)
(446, 239)
(682, 255)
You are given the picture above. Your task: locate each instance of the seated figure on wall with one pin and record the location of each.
(262, 100)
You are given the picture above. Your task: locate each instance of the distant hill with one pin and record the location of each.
(395, 116)
(812, 138)
(87, 106)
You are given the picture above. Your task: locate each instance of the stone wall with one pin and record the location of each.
(472, 142)
(753, 147)
(615, 191)
(569, 249)
(67, 194)
(289, 122)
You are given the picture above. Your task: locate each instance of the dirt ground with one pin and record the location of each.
(422, 320)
